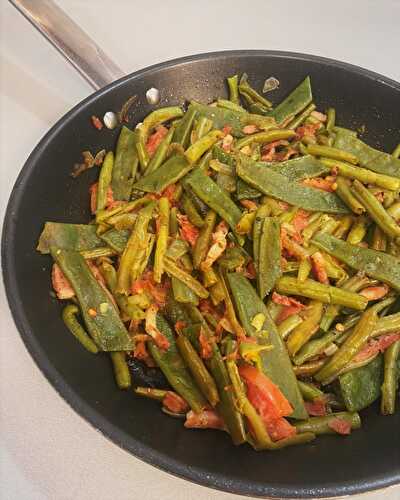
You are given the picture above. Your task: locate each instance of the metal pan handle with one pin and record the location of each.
(70, 40)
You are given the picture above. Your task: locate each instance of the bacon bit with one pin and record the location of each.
(205, 346)
(188, 231)
(218, 246)
(316, 408)
(250, 271)
(89, 161)
(155, 138)
(249, 204)
(340, 426)
(249, 129)
(174, 403)
(206, 306)
(375, 292)
(374, 346)
(300, 220)
(319, 116)
(318, 265)
(61, 285)
(151, 328)
(226, 129)
(97, 123)
(320, 183)
(227, 142)
(92, 312)
(206, 419)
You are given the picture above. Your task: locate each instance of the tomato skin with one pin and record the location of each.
(316, 408)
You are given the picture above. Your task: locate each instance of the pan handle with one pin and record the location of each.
(70, 40)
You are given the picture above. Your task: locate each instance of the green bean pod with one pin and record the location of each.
(121, 369)
(69, 317)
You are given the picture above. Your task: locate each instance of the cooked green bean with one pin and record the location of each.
(191, 212)
(269, 256)
(174, 270)
(233, 82)
(162, 239)
(344, 192)
(319, 291)
(198, 369)
(294, 103)
(278, 186)
(306, 329)
(160, 154)
(121, 369)
(320, 425)
(125, 164)
(390, 379)
(376, 210)
(288, 325)
(353, 343)
(69, 317)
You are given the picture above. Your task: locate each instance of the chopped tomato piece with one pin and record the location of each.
(269, 402)
(175, 403)
(316, 408)
(227, 142)
(249, 129)
(374, 292)
(155, 138)
(249, 204)
(157, 290)
(300, 220)
(61, 285)
(292, 248)
(151, 328)
(374, 346)
(226, 129)
(97, 123)
(169, 193)
(207, 419)
(320, 183)
(318, 265)
(250, 271)
(340, 426)
(307, 130)
(180, 325)
(269, 398)
(286, 301)
(218, 245)
(205, 346)
(280, 429)
(188, 231)
(140, 351)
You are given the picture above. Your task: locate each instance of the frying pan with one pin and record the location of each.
(44, 190)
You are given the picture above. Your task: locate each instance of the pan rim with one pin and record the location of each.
(83, 409)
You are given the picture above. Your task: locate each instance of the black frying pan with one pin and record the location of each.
(330, 466)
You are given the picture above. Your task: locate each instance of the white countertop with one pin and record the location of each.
(47, 451)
